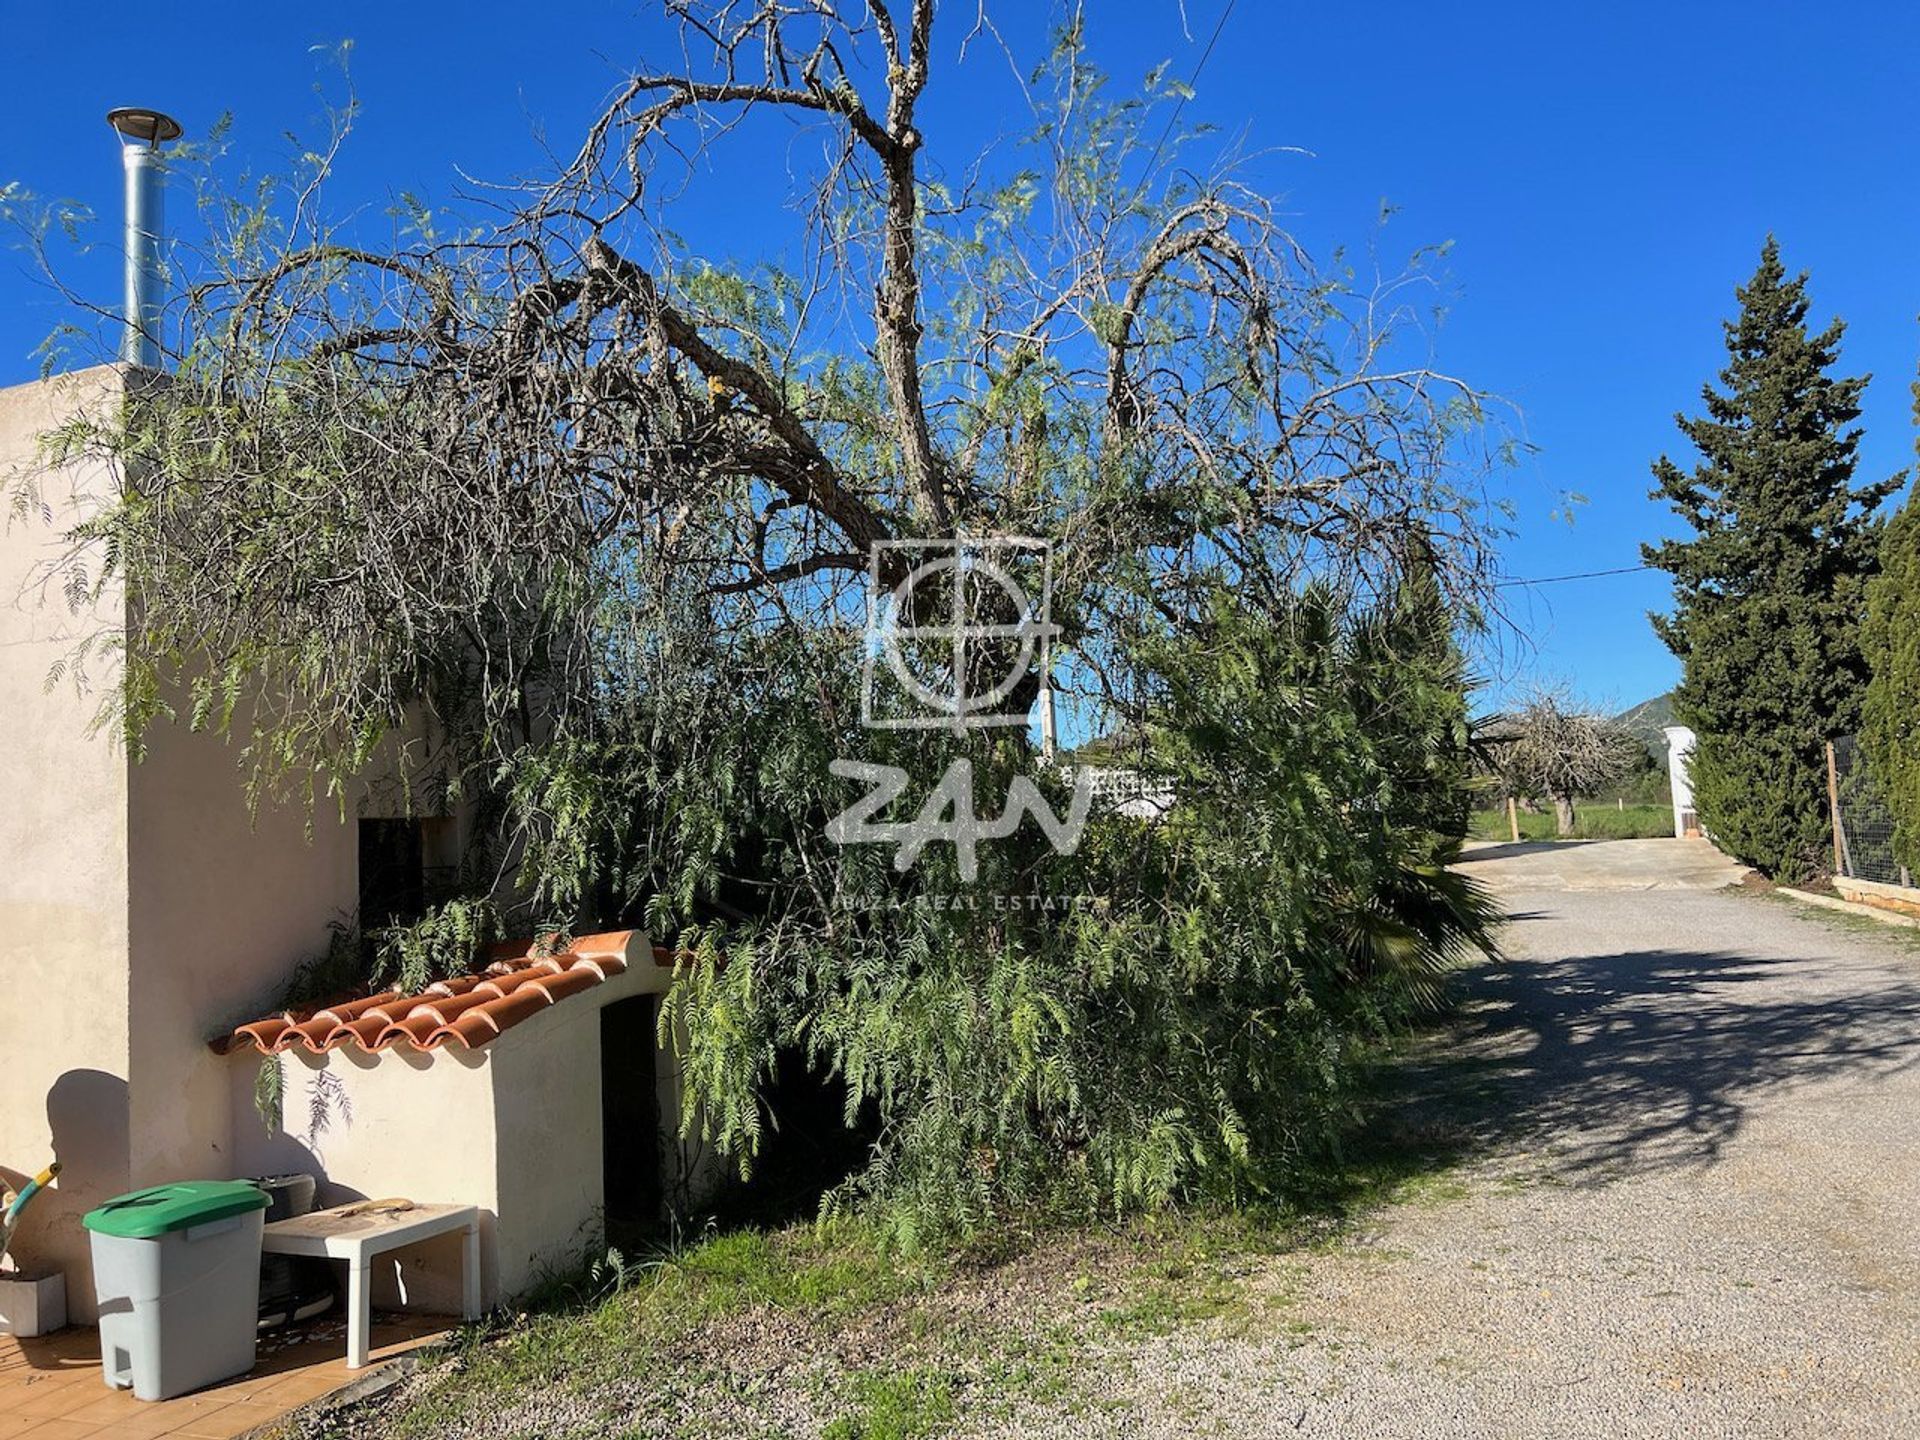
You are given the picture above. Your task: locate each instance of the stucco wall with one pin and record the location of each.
(63, 843)
(146, 908)
(399, 1125)
(223, 906)
(514, 1128)
(1680, 743)
(546, 1099)
(142, 905)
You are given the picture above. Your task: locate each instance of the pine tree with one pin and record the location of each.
(1769, 593)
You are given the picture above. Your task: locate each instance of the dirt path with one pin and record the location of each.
(1697, 1210)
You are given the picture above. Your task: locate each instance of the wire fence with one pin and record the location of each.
(1862, 823)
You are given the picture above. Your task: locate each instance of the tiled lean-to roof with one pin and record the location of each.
(467, 1010)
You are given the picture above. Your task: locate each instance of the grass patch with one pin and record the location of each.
(1157, 1307)
(673, 1316)
(610, 1321)
(1185, 1279)
(1590, 822)
(831, 1272)
(1429, 1188)
(904, 1406)
(726, 1324)
(1846, 921)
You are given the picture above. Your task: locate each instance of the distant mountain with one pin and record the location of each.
(1647, 720)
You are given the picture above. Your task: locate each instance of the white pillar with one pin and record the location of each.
(1680, 741)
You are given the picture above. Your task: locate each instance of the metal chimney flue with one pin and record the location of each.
(142, 133)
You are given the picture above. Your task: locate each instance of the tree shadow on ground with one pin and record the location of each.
(1510, 849)
(1651, 1059)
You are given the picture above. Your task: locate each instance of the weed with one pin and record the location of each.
(904, 1406)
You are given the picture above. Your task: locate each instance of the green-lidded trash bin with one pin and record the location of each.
(177, 1272)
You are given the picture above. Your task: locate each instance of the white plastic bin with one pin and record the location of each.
(177, 1272)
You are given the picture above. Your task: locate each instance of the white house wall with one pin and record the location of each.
(63, 839)
(144, 909)
(224, 905)
(398, 1125)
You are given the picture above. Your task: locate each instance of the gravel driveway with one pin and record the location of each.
(1697, 1211)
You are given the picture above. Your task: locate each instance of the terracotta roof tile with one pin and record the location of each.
(465, 1010)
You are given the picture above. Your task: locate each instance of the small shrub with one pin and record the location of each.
(451, 939)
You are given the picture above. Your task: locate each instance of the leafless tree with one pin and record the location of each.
(1549, 748)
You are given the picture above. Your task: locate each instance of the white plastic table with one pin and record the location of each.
(356, 1233)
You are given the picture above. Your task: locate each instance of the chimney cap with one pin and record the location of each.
(139, 123)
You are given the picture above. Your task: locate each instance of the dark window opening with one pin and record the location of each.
(406, 866)
(806, 1147)
(629, 1120)
(392, 873)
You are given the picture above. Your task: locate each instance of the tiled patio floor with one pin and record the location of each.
(50, 1388)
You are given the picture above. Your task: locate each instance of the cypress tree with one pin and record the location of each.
(1769, 592)
(1891, 639)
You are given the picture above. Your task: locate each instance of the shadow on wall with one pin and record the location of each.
(313, 1104)
(87, 1122)
(87, 1116)
(1654, 1059)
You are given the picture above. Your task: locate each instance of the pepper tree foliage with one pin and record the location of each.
(1891, 639)
(569, 525)
(1769, 592)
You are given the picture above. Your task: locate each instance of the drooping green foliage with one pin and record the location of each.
(1178, 1006)
(571, 530)
(1770, 589)
(450, 939)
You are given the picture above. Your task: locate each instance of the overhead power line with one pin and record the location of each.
(1583, 575)
(1193, 82)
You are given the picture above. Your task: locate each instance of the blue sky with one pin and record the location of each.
(1605, 174)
